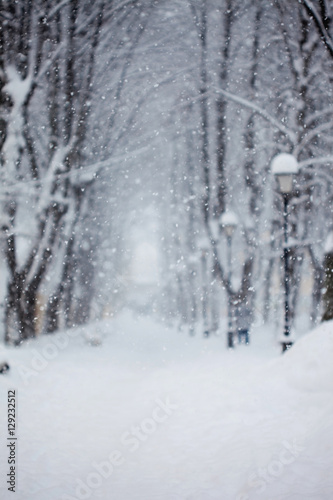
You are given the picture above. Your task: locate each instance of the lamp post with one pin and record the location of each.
(204, 247)
(228, 222)
(284, 168)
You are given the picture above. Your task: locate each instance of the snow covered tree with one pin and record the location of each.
(42, 199)
(265, 115)
(49, 159)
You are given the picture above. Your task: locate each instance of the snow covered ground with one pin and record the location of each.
(153, 414)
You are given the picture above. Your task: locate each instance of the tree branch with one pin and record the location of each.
(320, 25)
(291, 136)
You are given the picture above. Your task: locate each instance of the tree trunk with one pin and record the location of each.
(328, 295)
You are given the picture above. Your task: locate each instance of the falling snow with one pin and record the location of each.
(166, 232)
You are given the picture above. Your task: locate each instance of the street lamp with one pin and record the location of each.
(204, 247)
(285, 167)
(228, 222)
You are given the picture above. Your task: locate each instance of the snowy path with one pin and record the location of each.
(163, 416)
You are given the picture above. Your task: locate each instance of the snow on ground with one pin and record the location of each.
(154, 414)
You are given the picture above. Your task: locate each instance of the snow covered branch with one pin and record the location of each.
(291, 136)
(319, 22)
